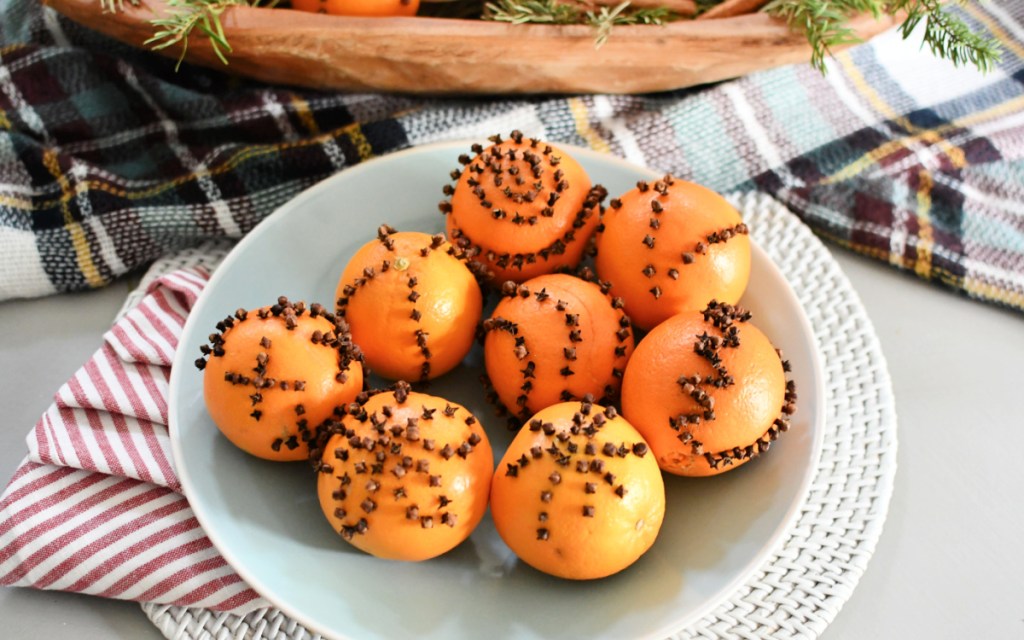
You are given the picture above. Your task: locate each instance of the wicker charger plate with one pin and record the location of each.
(802, 587)
(437, 55)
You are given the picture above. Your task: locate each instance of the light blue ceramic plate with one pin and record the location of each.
(265, 520)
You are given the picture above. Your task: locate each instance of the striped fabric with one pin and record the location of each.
(96, 507)
(109, 159)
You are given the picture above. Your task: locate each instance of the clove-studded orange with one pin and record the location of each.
(412, 304)
(406, 476)
(521, 208)
(672, 246)
(273, 375)
(708, 391)
(555, 338)
(577, 494)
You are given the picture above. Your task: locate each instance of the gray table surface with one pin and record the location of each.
(950, 562)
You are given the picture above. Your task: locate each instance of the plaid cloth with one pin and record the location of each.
(109, 159)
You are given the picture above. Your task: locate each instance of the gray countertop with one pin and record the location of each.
(950, 563)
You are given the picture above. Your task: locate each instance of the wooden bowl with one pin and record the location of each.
(448, 56)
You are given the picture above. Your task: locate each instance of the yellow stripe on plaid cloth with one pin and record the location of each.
(581, 117)
(925, 235)
(353, 131)
(956, 156)
(986, 290)
(872, 157)
(994, 28)
(74, 228)
(973, 285)
(929, 136)
(924, 265)
(12, 47)
(304, 114)
(18, 203)
(941, 273)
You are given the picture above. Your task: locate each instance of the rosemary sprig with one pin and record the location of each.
(556, 12)
(604, 19)
(826, 25)
(532, 11)
(188, 15)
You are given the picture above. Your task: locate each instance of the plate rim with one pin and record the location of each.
(181, 363)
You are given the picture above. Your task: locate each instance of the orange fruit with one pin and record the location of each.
(412, 304)
(521, 208)
(576, 494)
(672, 246)
(368, 8)
(555, 338)
(406, 476)
(708, 391)
(273, 375)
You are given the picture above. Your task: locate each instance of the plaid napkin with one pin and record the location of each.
(96, 507)
(108, 159)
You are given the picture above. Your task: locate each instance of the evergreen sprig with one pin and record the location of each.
(605, 18)
(557, 12)
(947, 35)
(532, 11)
(824, 22)
(826, 25)
(185, 17)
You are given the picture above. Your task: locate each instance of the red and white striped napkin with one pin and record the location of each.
(96, 506)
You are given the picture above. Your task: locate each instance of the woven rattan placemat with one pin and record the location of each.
(801, 588)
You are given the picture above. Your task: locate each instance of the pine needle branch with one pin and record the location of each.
(826, 25)
(187, 16)
(824, 22)
(555, 12)
(532, 11)
(606, 18)
(946, 35)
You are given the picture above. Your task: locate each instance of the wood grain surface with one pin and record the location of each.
(422, 55)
